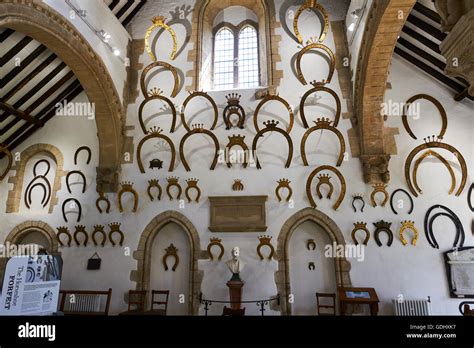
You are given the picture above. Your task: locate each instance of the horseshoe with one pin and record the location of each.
(311, 244)
(203, 95)
(198, 129)
(443, 160)
(128, 187)
(31, 185)
(102, 198)
(154, 183)
(324, 180)
(271, 126)
(99, 229)
(282, 101)
(48, 167)
(4, 150)
(265, 241)
(411, 226)
(318, 88)
(173, 181)
(311, 266)
(115, 228)
(383, 226)
(156, 96)
(78, 205)
(409, 197)
(310, 180)
(283, 183)
(457, 223)
(215, 242)
(89, 154)
(237, 140)
(165, 66)
(192, 184)
(360, 226)
(469, 197)
(311, 4)
(84, 182)
(44, 201)
(159, 22)
(332, 64)
(358, 198)
(63, 230)
(81, 229)
(171, 251)
(382, 188)
(233, 108)
(155, 133)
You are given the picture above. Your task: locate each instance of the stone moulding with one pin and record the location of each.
(238, 214)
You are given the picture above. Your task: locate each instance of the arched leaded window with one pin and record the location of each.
(236, 60)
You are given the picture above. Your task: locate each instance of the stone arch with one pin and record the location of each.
(14, 195)
(144, 250)
(204, 13)
(282, 276)
(42, 23)
(20, 231)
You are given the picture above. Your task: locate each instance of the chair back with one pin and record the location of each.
(160, 294)
(137, 298)
(329, 307)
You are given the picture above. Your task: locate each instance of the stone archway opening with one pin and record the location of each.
(282, 276)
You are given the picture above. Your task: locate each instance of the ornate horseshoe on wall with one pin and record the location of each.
(63, 230)
(4, 149)
(324, 179)
(76, 203)
(115, 228)
(233, 108)
(379, 188)
(80, 229)
(35, 167)
(383, 226)
(311, 244)
(282, 101)
(311, 266)
(265, 240)
(310, 180)
(409, 197)
(283, 183)
(428, 224)
(155, 133)
(457, 224)
(215, 242)
(84, 182)
(436, 103)
(319, 88)
(159, 22)
(469, 197)
(237, 140)
(99, 229)
(198, 129)
(192, 184)
(127, 186)
(443, 160)
(408, 225)
(154, 183)
(271, 126)
(430, 143)
(332, 64)
(155, 94)
(358, 197)
(102, 197)
(165, 66)
(83, 148)
(360, 226)
(171, 251)
(311, 4)
(323, 123)
(173, 181)
(195, 95)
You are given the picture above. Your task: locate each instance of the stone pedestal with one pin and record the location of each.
(235, 292)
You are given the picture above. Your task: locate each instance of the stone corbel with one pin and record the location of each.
(375, 168)
(108, 179)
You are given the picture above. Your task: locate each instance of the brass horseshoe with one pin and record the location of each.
(173, 181)
(311, 4)
(408, 225)
(282, 101)
(215, 242)
(165, 66)
(265, 240)
(4, 150)
(99, 229)
(234, 108)
(171, 251)
(323, 123)
(318, 88)
(431, 143)
(102, 198)
(63, 230)
(436, 103)
(192, 184)
(311, 244)
(195, 95)
(80, 229)
(310, 180)
(198, 129)
(127, 186)
(159, 22)
(154, 183)
(332, 64)
(155, 133)
(271, 126)
(237, 140)
(156, 95)
(443, 160)
(324, 179)
(360, 226)
(115, 228)
(283, 183)
(382, 188)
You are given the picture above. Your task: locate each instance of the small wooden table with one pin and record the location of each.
(358, 296)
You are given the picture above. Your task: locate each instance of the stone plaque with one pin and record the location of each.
(238, 214)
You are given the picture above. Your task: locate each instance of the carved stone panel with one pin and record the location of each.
(238, 214)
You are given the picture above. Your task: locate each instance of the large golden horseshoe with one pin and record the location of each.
(282, 101)
(310, 180)
(311, 4)
(159, 22)
(322, 89)
(155, 132)
(431, 145)
(443, 160)
(332, 64)
(165, 66)
(436, 103)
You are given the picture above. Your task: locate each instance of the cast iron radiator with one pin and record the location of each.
(412, 307)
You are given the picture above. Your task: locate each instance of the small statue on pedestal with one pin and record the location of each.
(235, 265)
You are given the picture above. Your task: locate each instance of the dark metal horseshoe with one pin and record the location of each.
(459, 229)
(89, 154)
(409, 197)
(30, 186)
(428, 230)
(44, 202)
(469, 197)
(383, 226)
(358, 198)
(36, 166)
(78, 172)
(79, 207)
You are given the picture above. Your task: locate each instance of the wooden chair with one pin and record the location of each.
(136, 298)
(159, 293)
(332, 306)
(229, 312)
(86, 303)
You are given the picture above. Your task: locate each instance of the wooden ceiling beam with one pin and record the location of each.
(21, 114)
(15, 50)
